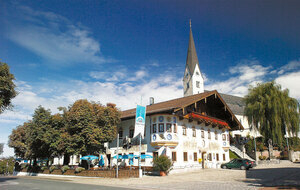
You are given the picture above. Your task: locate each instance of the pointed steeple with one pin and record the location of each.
(193, 81)
(192, 58)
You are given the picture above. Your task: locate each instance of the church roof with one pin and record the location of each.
(235, 103)
(192, 58)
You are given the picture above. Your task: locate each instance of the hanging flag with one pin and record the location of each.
(140, 119)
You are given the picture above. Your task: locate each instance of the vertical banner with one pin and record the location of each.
(140, 119)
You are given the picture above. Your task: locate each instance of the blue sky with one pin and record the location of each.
(118, 51)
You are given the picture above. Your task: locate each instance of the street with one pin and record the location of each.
(32, 183)
(285, 174)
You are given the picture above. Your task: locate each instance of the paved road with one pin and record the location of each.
(285, 174)
(30, 183)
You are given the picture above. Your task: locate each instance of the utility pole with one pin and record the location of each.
(117, 171)
(140, 167)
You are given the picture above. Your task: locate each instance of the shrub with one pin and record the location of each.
(52, 168)
(79, 169)
(44, 168)
(23, 166)
(264, 157)
(162, 163)
(64, 169)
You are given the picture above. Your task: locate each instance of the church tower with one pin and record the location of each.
(193, 82)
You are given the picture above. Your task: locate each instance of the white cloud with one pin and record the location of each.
(241, 76)
(54, 37)
(291, 81)
(291, 66)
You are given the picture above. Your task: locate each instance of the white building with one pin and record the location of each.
(193, 131)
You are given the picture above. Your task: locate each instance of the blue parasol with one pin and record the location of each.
(118, 156)
(89, 157)
(101, 162)
(143, 156)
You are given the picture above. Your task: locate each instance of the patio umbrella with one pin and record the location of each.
(118, 157)
(129, 156)
(101, 162)
(89, 158)
(143, 156)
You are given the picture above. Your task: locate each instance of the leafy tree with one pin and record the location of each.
(38, 134)
(90, 125)
(7, 87)
(17, 140)
(272, 111)
(1, 148)
(7, 165)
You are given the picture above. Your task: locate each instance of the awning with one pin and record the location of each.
(208, 120)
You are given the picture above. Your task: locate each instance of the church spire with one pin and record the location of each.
(192, 59)
(193, 82)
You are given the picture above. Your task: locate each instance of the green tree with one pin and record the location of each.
(90, 125)
(7, 165)
(17, 140)
(272, 111)
(7, 87)
(1, 148)
(38, 134)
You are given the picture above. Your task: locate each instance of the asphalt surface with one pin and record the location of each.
(30, 183)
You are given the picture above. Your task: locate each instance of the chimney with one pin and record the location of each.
(151, 100)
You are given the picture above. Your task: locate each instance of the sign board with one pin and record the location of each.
(140, 119)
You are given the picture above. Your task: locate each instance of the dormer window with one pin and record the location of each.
(197, 84)
(197, 73)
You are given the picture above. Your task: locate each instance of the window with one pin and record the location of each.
(194, 132)
(216, 135)
(145, 131)
(209, 157)
(197, 73)
(209, 135)
(187, 85)
(175, 128)
(155, 155)
(184, 130)
(227, 137)
(202, 134)
(120, 133)
(217, 156)
(195, 156)
(143, 153)
(224, 137)
(154, 128)
(131, 132)
(224, 157)
(161, 127)
(185, 157)
(169, 127)
(197, 84)
(174, 158)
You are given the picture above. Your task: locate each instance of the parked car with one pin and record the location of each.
(243, 164)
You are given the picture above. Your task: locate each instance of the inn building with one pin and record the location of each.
(193, 131)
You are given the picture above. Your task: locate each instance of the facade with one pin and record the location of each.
(193, 131)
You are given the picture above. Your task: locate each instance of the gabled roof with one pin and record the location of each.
(192, 58)
(175, 105)
(168, 105)
(235, 103)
